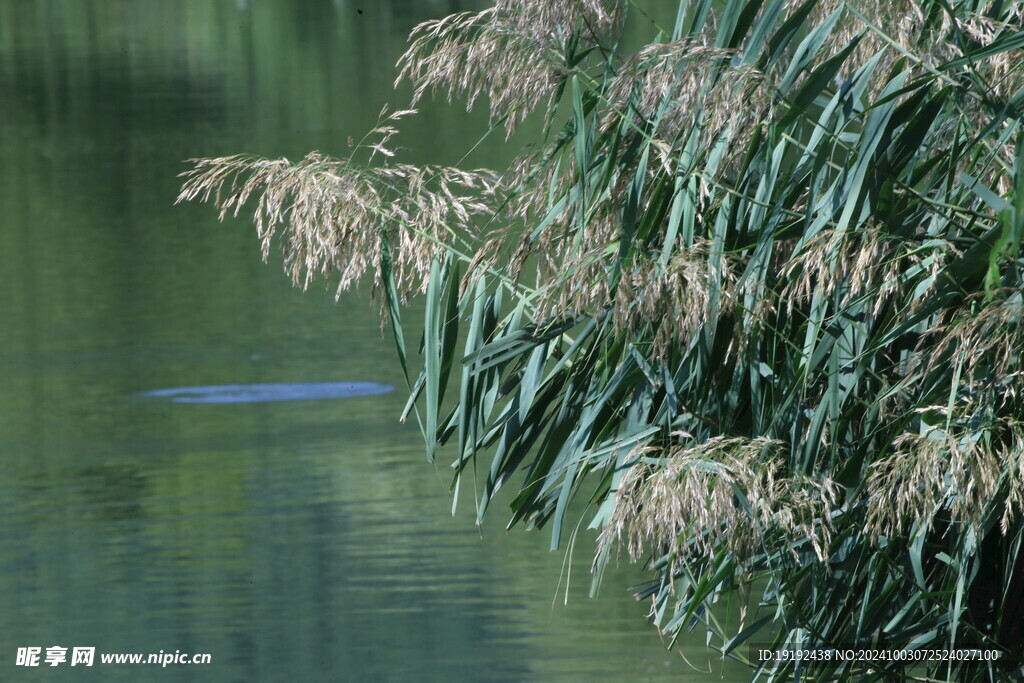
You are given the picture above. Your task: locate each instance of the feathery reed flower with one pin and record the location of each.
(513, 53)
(335, 213)
(693, 501)
(960, 472)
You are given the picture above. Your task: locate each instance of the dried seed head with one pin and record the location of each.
(849, 263)
(984, 338)
(960, 472)
(336, 215)
(686, 501)
(512, 53)
(686, 86)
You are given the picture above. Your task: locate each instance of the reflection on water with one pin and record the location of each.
(292, 540)
(266, 393)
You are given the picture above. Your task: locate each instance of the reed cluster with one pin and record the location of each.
(758, 295)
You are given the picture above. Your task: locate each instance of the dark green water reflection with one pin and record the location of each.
(296, 541)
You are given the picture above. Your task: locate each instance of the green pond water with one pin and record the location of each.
(298, 540)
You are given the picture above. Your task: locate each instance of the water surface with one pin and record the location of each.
(302, 540)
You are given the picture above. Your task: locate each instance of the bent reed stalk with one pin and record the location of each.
(758, 297)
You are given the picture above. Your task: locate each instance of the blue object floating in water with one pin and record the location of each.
(263, 393)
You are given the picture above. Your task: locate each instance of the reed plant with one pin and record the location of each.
(756, 302)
